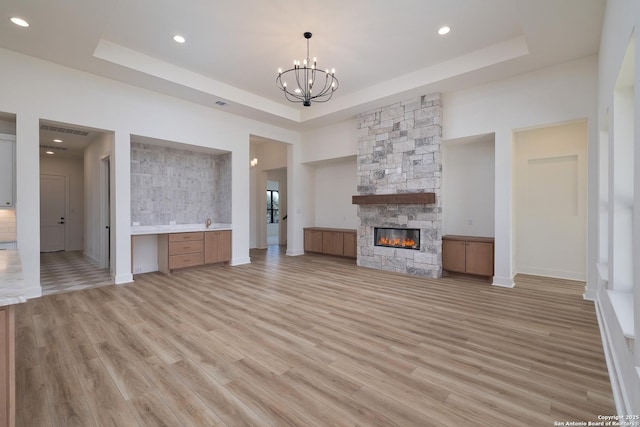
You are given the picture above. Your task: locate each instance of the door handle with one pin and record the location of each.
(60, 222)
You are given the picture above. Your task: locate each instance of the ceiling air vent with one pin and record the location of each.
(221, 103)
(64, 130)
(53, 147)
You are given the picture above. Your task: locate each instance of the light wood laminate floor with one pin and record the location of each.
(310, 341)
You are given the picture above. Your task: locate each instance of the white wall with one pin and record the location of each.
(145, 253)
(468, 186)
(329, 153)
(562, 93)
(619, 310)
(330, 142)
(73, 171)
(335, 183)
(34, 89)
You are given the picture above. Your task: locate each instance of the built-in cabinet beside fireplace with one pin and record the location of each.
(468, 254)
(330, 241)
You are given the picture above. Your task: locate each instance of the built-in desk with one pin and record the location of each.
(188, 245)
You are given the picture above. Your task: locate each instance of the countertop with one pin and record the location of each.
(11, 280)
(139, 230)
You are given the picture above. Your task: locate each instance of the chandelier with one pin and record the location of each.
(309, 82)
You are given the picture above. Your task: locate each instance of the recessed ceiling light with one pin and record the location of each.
(179, 39)
(444, 30)
(49, 152)
(57, 140)
(19, 22)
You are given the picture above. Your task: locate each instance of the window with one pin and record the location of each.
(273, 203)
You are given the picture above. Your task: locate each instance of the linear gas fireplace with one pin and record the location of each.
(405, 238)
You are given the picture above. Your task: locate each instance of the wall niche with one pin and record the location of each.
(171, 183)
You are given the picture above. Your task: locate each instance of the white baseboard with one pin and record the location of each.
(240, 261)
(292, 252)
(123, 279)
(503, 282)
(557, 274)
(31, 293)
(620, 397)
(589, 295)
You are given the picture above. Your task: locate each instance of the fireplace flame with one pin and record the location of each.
(397, 243)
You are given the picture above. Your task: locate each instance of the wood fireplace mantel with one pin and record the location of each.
(391, 199)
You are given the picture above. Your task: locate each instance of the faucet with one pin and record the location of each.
(207, 223)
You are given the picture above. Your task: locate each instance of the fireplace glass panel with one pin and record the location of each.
(406, 238)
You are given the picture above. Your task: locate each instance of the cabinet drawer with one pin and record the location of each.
(188, 247)
(186, 260)
(182, 237)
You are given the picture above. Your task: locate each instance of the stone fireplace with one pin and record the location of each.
(399, 154)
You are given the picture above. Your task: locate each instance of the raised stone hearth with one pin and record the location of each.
(399, 153)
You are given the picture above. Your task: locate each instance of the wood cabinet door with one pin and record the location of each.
(350, 247)
(332, 243)
(479, 258)
(224, 245)
(217, 246)
(4, 365)
(7, 366)
(313, 241)
(453, 255)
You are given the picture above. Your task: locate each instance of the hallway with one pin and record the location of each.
(69, 271)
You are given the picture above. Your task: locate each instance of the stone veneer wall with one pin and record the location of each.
(169, 184)
(399, 152)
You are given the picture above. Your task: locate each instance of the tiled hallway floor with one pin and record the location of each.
(69, 271)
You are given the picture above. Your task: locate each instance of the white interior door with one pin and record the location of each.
(52, 213)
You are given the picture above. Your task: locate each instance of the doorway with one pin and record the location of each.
(70, 205)
(268, 178)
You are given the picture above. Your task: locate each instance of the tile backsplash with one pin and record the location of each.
(7, 225)
(169, 184)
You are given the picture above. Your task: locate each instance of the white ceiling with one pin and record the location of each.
(382, 50)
